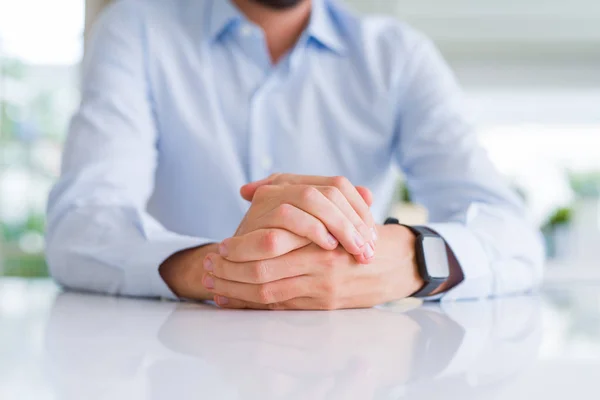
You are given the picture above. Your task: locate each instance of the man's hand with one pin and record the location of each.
(321, 210)
(247, 191)
(182, 272)
(288, 212)
(311, 278)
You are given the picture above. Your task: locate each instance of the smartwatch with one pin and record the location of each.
(432, 257)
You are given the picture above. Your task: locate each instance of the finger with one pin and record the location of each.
(300, 303)
(226, 302)
(336, 197)
(354, 197)
(294, 220)
(247, 191)
(265, 293)
(366, 194)
(255, 272)
(311, 200)
(354, 240)
(262, 244)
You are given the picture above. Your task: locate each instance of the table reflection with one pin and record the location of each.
(98, 347)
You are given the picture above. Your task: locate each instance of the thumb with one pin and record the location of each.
(247, 191)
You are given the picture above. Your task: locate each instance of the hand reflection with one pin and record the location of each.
(362, 354)
(99, 347)
(310, 355)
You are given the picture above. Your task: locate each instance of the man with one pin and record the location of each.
(186, 101)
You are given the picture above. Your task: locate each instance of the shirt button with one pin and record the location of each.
(246, 30)
(266, 163)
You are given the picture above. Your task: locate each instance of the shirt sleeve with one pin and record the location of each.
(100, 237)
(470, 204)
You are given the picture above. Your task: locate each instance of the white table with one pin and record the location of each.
(57, 345)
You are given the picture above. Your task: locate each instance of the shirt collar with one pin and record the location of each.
(323, 28)
(223, 16)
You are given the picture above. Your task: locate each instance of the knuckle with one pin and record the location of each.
(317, 230)
(270, 241)
(330, 286)
(332, 192)
(265, 294)
(363, 229)
(284, 210)
(340, 182)
(308, 193)
(330, 259)
(331, 292)
(279, 178)
(275, 177)
(259, 271)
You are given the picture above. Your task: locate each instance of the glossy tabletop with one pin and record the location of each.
(56, 345)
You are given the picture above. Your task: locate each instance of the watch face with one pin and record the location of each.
(436, 258)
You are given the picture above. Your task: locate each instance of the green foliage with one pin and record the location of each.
(404, 192)
(36, 222)
(585, 184)
(14, 261)
(12, 232)
(6, 123)
(562, 216)
(13, 69)
(25, 265)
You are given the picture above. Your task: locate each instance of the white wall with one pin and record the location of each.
(508, 21)
(518, 43)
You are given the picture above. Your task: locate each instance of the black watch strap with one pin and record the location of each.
(433, 284)
(429, 288)
(417, 230)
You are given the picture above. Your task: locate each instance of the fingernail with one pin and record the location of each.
(222, 301)
(374, 234)
(208, 265)
(369, 252)
(223, 251)
(332, 240)
(209, 282)
(358, 239)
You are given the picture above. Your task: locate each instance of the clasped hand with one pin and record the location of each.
(310, 243)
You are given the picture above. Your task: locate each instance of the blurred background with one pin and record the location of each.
(530, 70)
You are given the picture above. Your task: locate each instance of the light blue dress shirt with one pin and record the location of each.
(181, 106)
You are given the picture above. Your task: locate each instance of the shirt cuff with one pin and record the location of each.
(472, 259)
(143, 278)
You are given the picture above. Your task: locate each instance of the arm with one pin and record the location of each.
(481, 219)
(100, 237)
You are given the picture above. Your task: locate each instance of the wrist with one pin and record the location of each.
(403, 256)
(183, 271)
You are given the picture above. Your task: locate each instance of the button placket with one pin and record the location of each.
(266, 163)
(261, 162)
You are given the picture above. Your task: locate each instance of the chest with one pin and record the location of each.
(313, 113)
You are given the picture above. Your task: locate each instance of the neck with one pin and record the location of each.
(282, 27)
